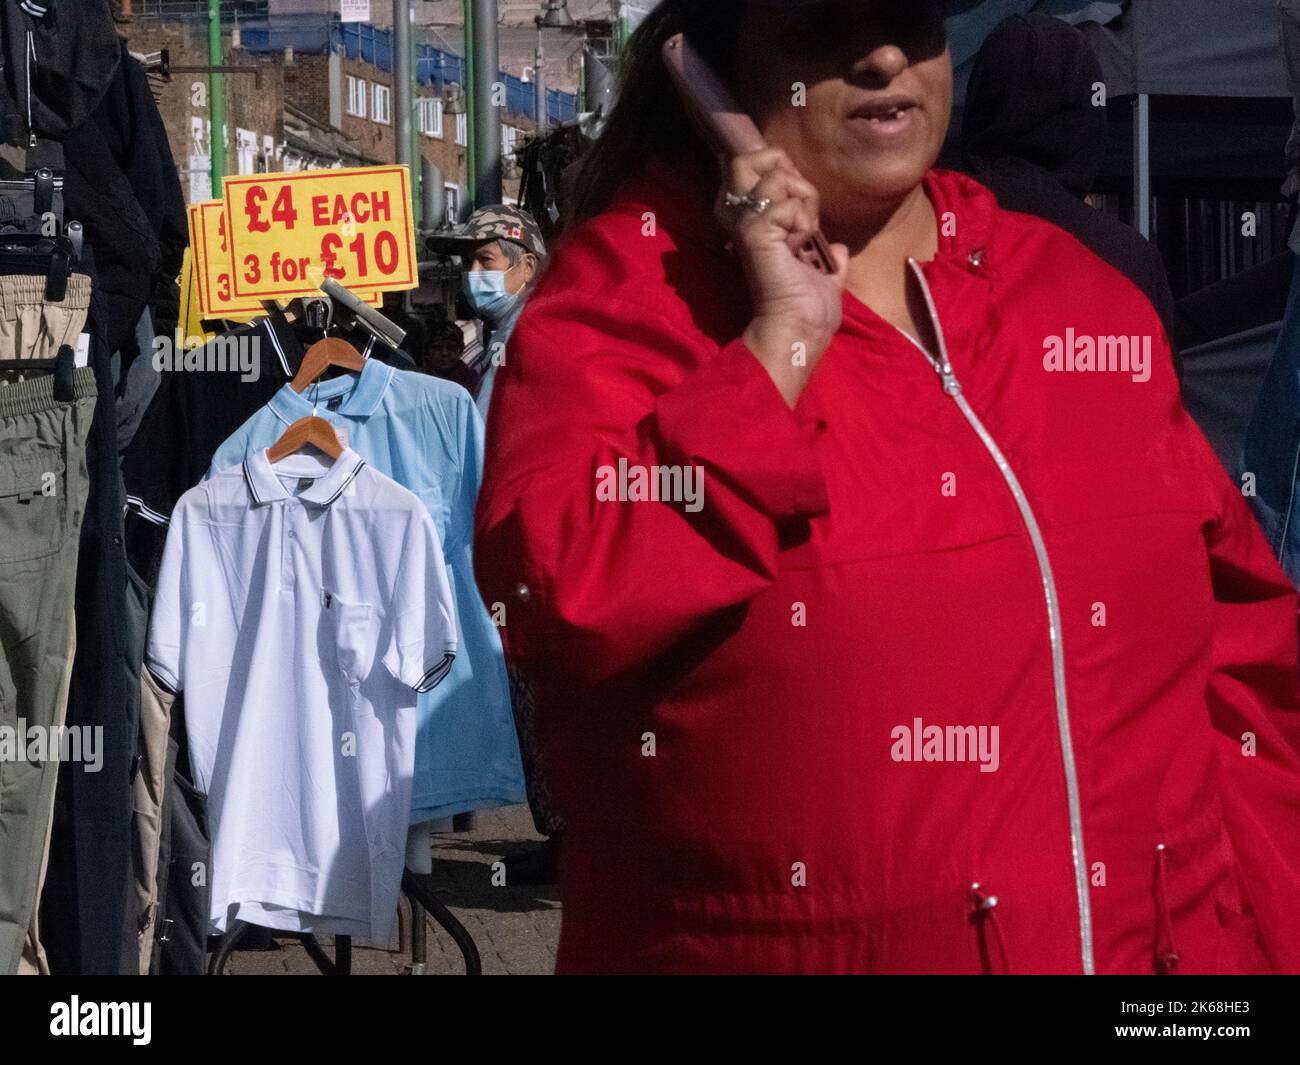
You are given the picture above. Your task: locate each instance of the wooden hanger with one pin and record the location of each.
(327, 352)
(311, 430)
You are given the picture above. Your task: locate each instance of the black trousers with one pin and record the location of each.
(86, 923)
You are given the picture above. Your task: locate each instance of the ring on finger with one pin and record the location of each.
(748, 201)
(757, 204)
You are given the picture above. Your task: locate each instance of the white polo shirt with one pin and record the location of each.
(300, 608)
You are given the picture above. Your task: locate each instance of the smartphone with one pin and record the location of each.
(728, 129)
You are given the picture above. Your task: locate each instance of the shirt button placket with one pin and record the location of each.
(290, 542)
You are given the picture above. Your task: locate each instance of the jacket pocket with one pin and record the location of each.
(33, 493)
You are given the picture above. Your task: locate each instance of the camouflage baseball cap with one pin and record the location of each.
(498, 222)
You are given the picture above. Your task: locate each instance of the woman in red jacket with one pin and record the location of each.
(891, 621)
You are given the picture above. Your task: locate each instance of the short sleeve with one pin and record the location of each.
(422, 629)
(168, 617)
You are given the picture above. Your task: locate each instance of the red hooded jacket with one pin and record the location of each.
(971, 668)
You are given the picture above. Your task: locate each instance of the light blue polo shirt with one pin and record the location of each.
(425, 434)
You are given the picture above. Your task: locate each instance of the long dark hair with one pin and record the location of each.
(649, 119)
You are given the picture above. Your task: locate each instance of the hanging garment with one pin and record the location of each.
(325, 583)
(87, 926)
(121, 184)
(33, 327)
(202, 397)
(184, 850)
(28, 203)
(43, 490)
(425, 433)
(149, 785)
(57, 64)
(137, 138)
(198, 402)
(1005, 539)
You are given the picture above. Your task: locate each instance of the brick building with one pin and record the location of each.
(254, 103)
(312, 92)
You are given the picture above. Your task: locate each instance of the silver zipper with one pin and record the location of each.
(951, 386)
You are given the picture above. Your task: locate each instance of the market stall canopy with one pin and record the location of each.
(1192, 48)
(1220, 109)
(971, 21)
(1159, 47)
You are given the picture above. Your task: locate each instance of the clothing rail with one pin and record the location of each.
(420, 897)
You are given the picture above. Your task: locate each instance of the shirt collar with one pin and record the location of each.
(361, 395)
(328, 481)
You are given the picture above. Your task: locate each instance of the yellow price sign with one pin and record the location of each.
(189, 321)
(212, 264)
(288, 232)
(214, 274)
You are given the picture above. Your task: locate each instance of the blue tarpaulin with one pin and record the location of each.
(370, 44)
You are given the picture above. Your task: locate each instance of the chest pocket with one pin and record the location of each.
(32, 504)
(353, 629)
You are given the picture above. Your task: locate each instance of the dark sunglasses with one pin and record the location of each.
(912, 24)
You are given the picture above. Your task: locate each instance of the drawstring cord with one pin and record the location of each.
(984, 915)
(30, 55)
(1166, 957)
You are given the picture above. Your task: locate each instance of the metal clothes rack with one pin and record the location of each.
(421, 898)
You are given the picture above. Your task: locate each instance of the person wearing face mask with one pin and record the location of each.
(890, 619)
(502, 251)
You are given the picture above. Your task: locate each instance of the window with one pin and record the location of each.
(382, 111)
(509, 138)
(246, 141)
(200, 161)
(430, 116)
(357, 96)
(199, 130)
(462, 129)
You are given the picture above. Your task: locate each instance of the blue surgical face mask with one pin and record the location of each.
(486, 292)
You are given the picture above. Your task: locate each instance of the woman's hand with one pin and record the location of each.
(796, 308)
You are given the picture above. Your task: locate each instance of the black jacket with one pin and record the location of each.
(120, 182)
(1032, 134)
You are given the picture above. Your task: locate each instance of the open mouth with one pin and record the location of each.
(890, 115)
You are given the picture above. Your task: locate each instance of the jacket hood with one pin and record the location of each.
(58, 62)
(1029, 105)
